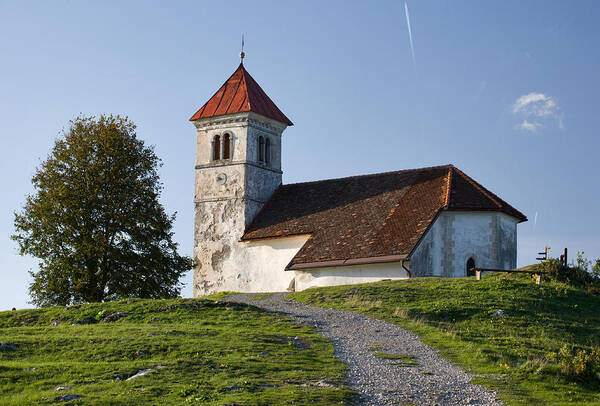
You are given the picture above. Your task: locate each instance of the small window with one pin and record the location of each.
(217, 148)
(268, 150)
(261, 149)
(226, 146)
(470, 266)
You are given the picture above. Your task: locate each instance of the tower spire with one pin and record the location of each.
(242, 54)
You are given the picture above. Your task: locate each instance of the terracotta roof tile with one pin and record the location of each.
(240, 93)
(467, 194)
(370, 216)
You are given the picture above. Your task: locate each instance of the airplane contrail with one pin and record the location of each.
(410, 39)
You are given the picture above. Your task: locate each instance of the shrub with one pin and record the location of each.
(596, 269)
(580, 363)
(576, 275)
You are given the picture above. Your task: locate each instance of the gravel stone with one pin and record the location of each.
(356, 338)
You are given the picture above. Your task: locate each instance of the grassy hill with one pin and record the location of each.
(184, 351)
(543, 350)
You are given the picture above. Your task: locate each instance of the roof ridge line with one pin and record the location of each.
(261, 93)
(482, 189)
(214, 94)
(448, 186)
(247, 95)
(370, 174)
(236, 89)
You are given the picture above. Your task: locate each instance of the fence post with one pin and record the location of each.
(478, 275)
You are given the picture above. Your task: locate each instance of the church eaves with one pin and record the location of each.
(369, 218)
(240, 93)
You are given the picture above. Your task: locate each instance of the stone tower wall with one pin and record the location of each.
(228, 195)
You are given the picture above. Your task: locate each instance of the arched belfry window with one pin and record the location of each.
(268, 150)
(261, 149)
(217, 148)
(226, 146)
(470, 266)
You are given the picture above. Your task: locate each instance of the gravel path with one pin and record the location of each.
(356, 338)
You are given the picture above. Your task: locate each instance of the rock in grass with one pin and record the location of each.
(66, 398)
(321, 384)
(498, 313)
(7, 346)
(113, 317)
(301, 343)
(86, 320)
(61, 388)
(143, 372)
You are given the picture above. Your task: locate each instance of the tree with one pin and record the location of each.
(95, 221)
(596, 269)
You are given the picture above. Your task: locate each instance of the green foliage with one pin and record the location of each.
(596, 269)
(519, 354)
(201, 352)
(95, 221)
(580, 363)
(582, 262)
(577, 275)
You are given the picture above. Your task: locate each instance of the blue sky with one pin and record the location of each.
(507, 91)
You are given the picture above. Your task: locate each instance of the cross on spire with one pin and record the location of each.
(242, 54)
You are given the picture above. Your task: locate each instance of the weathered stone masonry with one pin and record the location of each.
(228, 195)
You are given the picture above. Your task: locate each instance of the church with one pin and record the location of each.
(254, 234)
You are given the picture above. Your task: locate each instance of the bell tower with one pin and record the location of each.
(238, 168)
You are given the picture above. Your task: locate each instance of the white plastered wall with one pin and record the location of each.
(348, 275)
(490, 238)
(264, 264)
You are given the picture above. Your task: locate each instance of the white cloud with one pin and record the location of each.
(529, 126)
(535, 104)
(535, 108)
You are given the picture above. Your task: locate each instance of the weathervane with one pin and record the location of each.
(242, 54)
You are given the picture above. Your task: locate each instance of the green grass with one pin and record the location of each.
(517, 354)
(261, 296)
(201, 352)
(218, 295)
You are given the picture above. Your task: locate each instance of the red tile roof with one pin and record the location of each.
(369, 217)
(240, 93)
